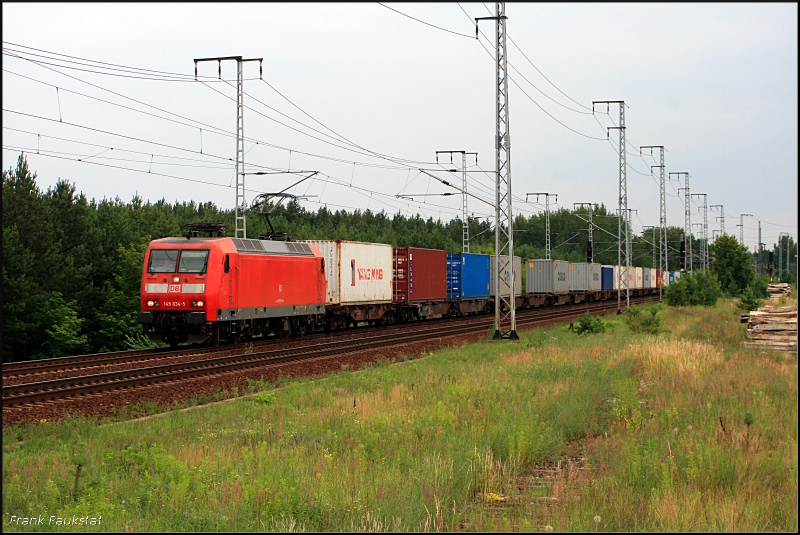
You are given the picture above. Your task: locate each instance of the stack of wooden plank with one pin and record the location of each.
(773, 327)
(778, 290)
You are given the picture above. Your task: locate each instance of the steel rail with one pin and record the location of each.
(57, 389)
(78, 362)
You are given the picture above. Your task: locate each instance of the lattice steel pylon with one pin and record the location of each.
(662, 222)
(700, 230)
(624, 270)
(687, 222)
(546, 217)
(704, 243)
(464, 213)
(721, 217)
(240, 225)
(741, 226)
(505, 317)
(780, 252)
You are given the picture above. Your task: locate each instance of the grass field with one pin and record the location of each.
(683, 431)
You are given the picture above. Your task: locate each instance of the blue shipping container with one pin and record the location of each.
(453, 276)
(475, 275)
(608, 277)
(671, 277)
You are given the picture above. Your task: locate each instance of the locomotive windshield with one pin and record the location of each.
(193, 262)
(162, 261)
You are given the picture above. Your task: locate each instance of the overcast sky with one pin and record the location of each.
(371, 95)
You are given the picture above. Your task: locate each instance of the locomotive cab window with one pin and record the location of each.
(193, 262)
(162, 261)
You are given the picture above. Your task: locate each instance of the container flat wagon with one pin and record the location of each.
(420, 282)
(468, 282)
(358, 280)
(548, 280)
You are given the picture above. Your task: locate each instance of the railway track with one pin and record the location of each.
(42, 367)
(67, 389)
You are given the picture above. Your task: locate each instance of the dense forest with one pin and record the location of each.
(72, 266)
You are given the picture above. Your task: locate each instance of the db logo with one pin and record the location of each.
(174, 288)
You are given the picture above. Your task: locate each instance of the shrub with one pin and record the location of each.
(588, 324)
(733, 290)
(698, 289)
(760, 286)
(644, 320)
(708, 289)
(749, 300)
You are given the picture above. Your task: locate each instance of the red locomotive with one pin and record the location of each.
(200, 289)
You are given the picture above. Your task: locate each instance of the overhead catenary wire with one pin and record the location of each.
(215, 129)
(102, 62)
(426, 23)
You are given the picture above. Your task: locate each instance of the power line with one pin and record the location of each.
(218, 130)
(537, 104)
(100, 62)
(31, 150)
(427, 23)
(9, 53)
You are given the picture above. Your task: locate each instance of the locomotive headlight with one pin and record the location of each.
(152, 303)
(176, 279)
(199, 303)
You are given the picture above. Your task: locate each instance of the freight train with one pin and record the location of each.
(208, 289)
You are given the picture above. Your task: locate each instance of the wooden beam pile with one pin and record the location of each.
(773, 327)
(777, 290)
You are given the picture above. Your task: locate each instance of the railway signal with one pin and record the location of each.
(683, 255)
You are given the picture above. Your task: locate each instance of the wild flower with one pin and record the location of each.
(548, 527)
(597, 519)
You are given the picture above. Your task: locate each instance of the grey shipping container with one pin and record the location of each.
(580, 276)
(504, 280)
(547, 276)
(596, 280)
(645, 278)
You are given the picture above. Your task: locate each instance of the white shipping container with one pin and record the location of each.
(356, 272)
(653, 278)
(504, 285)
(638, 277)
(618, 274)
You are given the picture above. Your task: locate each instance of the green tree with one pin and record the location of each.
(732, 266)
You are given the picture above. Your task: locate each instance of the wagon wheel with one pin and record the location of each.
(214, 341)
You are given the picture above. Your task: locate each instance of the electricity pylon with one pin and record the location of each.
(240, 224)
(505, 315)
